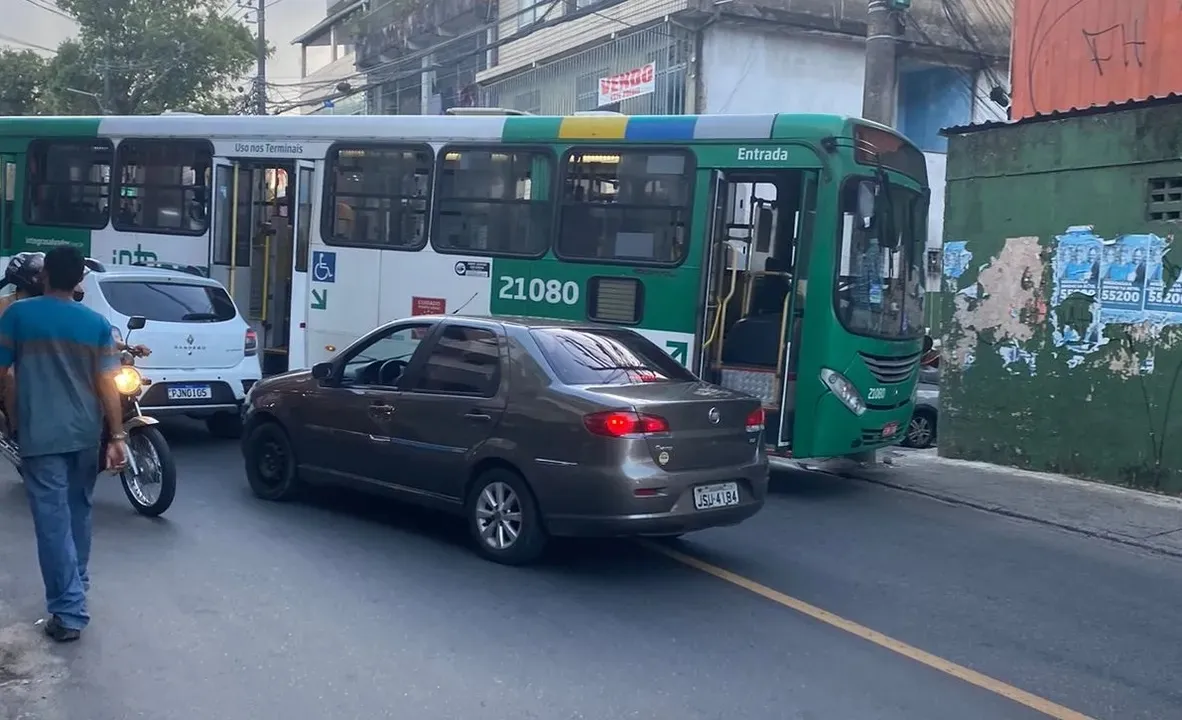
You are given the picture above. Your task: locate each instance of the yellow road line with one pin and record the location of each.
(947, 667)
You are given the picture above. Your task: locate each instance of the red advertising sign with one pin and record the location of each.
(428, 306)
(633, 83)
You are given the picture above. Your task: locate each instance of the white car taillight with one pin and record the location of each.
(251, 346)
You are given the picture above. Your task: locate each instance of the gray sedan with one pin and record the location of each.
(528, 428)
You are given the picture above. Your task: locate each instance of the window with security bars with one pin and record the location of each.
(1165, 199)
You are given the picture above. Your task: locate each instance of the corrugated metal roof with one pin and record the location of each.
(1151, 101)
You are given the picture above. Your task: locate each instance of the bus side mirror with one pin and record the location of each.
(928, 343)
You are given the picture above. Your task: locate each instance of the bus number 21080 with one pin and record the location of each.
(553, 292)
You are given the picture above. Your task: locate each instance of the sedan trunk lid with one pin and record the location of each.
(708, 424)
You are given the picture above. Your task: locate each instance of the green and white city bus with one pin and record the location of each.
(777, 254)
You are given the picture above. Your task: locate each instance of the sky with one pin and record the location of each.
(36, 24)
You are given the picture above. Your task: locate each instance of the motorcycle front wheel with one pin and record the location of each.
(152, 489)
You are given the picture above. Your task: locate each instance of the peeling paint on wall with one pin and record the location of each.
(1006, 302)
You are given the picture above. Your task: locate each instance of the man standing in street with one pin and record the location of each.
(63, 358)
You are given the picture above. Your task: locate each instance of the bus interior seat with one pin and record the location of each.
(755, 339)
(767, 297)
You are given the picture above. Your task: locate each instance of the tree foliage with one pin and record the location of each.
(24, 73)
(144, 57)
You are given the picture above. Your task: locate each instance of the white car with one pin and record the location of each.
(204, 354)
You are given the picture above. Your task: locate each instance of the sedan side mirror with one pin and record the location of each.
(322, 370)
(136, 322)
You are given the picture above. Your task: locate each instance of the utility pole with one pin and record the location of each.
(261, 50)
(884, 30)
(105, 102)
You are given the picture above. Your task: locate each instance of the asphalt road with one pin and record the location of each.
(236, 609)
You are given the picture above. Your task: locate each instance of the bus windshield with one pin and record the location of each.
(880, 289)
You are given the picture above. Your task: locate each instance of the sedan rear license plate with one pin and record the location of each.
(708, 497)
(189, 392)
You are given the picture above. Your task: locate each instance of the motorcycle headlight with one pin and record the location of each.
(845, 391)
(128, 380)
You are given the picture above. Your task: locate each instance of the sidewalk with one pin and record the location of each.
(1132, 517)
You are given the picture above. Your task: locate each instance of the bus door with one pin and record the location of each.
(228, 254)
(758, 236)
(8, 206)
(306, 217)
(252, 248)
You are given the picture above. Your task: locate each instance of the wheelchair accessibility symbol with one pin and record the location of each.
(324, 266)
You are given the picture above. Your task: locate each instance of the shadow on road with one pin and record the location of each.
(610, 556)
(811, 485)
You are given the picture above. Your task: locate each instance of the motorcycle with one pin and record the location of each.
(149, 475)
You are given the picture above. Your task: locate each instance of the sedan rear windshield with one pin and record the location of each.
(607, 357)
(168, 301)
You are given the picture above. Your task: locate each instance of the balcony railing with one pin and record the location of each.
(395, 27)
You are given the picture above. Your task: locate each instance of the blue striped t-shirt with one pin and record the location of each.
(58, 349)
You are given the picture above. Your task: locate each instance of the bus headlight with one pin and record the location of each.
(844, 390)
(128, 380)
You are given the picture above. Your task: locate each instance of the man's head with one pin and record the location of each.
(64, 268)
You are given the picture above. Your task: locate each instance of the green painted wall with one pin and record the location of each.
(1103, 398)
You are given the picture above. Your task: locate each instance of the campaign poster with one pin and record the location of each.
(1122, 286)
(1165, 304)
(1077, 263)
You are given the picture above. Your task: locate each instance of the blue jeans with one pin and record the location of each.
(60, 488)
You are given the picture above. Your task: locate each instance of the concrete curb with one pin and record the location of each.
(880, 475)
(1007, 512)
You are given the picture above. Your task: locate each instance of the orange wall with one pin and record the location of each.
(1079, 53)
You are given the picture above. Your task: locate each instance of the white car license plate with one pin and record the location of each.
(189, 392)
(708, 497)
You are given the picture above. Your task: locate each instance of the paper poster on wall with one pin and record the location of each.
(1077, 271)
(956, 259)
(1122, 287)
(1078, 263)
(1121, 282)
(1162, 303)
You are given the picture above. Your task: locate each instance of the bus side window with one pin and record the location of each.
(493, 201)
(8, 181)
(69, 182)
(380, 194)
(625, 206)
(161, 186)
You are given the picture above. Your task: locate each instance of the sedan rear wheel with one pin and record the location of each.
(921, 431)
(503, 518)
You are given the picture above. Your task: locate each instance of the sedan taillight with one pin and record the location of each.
(620, 423)
(755, 420)
(251, 345)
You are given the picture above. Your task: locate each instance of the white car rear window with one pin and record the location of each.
(169, 301)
